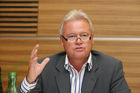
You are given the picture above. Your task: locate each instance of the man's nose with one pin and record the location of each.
(78, 39)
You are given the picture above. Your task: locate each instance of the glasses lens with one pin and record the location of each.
(84, 36)
(71, 37)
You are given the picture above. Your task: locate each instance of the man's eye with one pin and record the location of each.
(71, 36)
(84, 35)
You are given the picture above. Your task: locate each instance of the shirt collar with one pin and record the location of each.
(89, 62)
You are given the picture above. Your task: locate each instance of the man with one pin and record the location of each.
(78, 69)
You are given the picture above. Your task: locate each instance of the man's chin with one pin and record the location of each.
(80, 54)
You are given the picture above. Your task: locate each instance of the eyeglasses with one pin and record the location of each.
(73, 37)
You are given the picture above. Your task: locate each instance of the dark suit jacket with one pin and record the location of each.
(106, 76)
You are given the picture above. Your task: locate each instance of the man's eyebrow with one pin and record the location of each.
(78, 33)
(71, 34)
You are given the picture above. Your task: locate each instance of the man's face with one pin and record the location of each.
(78, 48)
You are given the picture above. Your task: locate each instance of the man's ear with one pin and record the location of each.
(61, 40)
(92, 38)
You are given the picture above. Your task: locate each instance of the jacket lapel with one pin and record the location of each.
(62, 77)
(63, 82)
(90, 78)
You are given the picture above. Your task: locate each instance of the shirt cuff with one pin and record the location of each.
(26, 86)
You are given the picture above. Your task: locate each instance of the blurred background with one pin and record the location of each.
(24, 23)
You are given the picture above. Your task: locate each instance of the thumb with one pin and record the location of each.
(45, 61)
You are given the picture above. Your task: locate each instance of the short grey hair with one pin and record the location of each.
(73, 15)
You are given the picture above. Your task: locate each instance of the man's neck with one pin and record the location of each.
(78, 63)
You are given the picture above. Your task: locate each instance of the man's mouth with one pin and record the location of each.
(79, 49)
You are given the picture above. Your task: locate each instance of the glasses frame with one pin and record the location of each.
(75, 39)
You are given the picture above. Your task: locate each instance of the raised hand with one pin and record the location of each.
(34, 67)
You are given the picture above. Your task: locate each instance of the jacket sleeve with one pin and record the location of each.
(119, 84)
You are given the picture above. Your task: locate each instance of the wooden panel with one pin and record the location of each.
(49, 47)
(16, 17)
(111, 18)
(14, 56)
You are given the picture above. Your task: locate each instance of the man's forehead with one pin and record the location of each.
(76, 26)
(76, 20)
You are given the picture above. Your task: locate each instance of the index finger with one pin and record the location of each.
(34, 51)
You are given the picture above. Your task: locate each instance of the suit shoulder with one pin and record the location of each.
(104, 58)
